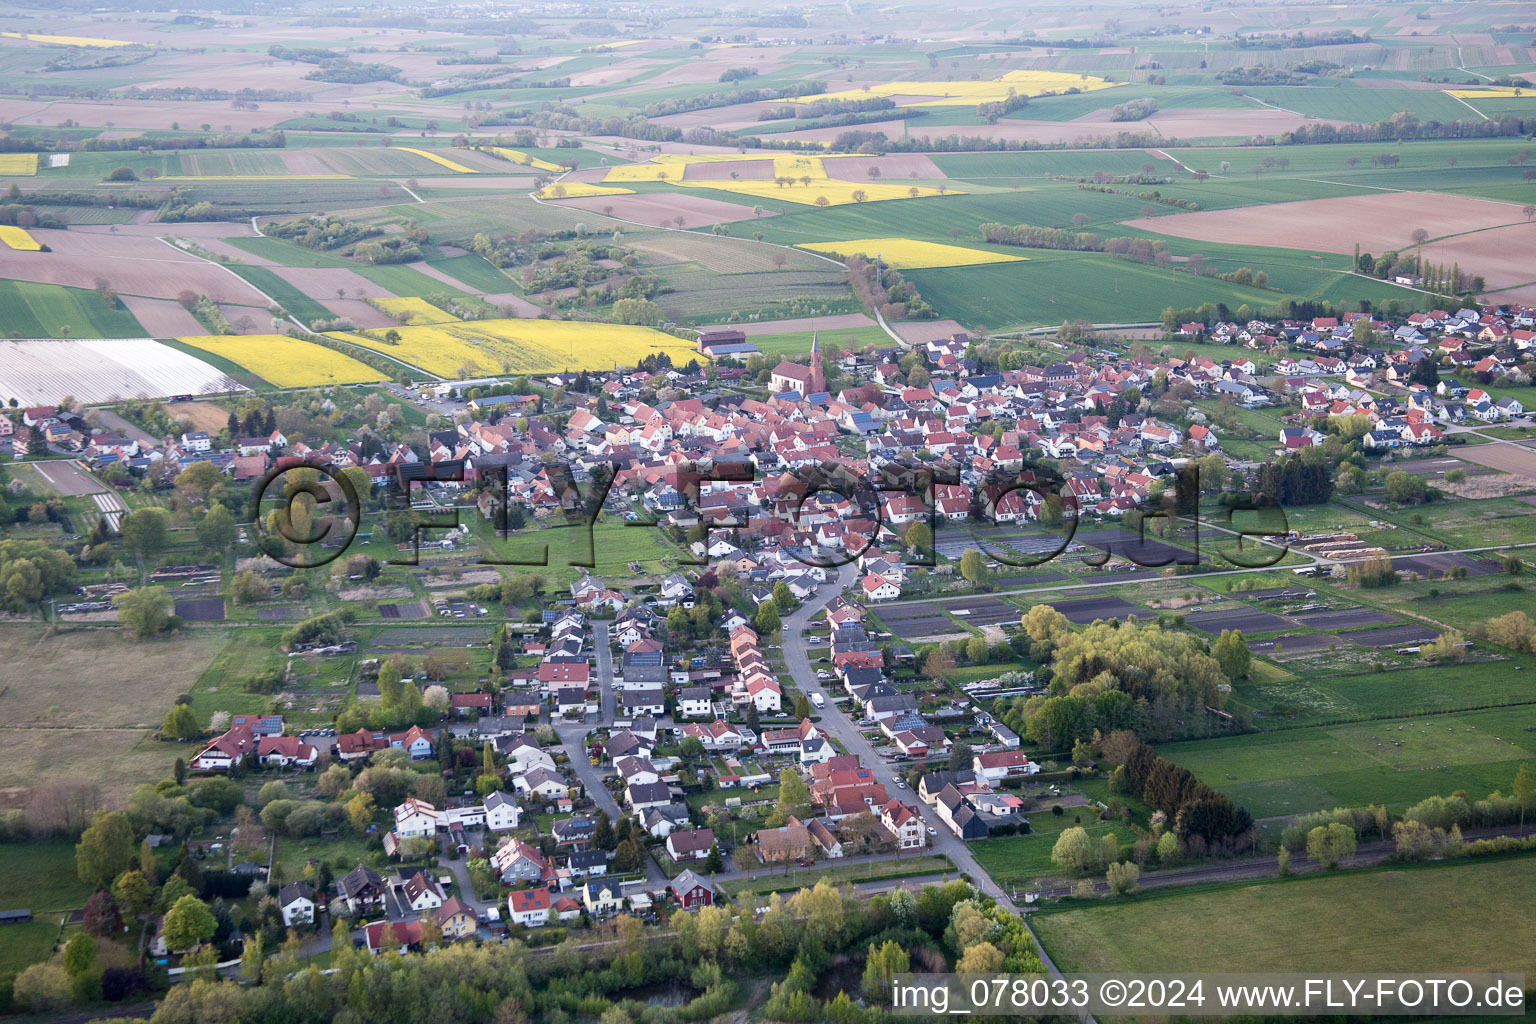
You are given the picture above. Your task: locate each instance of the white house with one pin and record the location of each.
(501, 814)
(296, 900)
(416, 818)
(529, 907)
(878, 588)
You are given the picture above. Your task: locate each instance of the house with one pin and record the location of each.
(357, 746)
(1003, 764)
(640, 795)
(573, 832)
(361, 889)
(455, 919)
(421, 892)
(602, 898)
(529, 907)
(878, 588)
(519, 862)
(689, 890)
(296, 901)
(501, 814)
(831, 847)
(587, 863)
(694, 702)
(692, 845)
(285, 752)
(902, 821)
(226, 751)
(787, 842)
(566, 909)
(386, 936)
(416, 818)
(636, 771)
(542, 783)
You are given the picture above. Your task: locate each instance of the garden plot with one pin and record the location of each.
(1249, 620)
(983, 611)
(1344, 618)
(917, 623)
(1080, 613)
(1393, 636)
(39, 372)
(1443, 563)
(1303, 643)
(201, 609)
(275, 614)
(411, 610)
(1144, 551)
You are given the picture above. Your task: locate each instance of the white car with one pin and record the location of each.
(932, 831)
(901, 783)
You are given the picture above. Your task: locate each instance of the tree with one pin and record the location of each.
(982, 958)
(216, 532)
(794, 795)
(918, 536)
(188, 924)
(106, 849)
(939, 664)
(1524, 792)
(133, 893)
(1404, 488)
(1044, 623)
(274, 790)
(145, 611)
(79, 954)
(1075, 851)
(101, 917)
(881, 966)
(802, 707)
(1123, 877)
(960, 756)
(1329, 844)
(714, 863)
(180, 723)
(973, 567)
(767, 618)
(144, 530)
(1231, 651)
(744, 857)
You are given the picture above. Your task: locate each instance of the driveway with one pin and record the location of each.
(604, 672)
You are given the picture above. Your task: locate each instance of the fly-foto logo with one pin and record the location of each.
(306, 516)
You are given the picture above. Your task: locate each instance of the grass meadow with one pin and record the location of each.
(1377, 921)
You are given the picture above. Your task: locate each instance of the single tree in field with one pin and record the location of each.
(1528, 210)
(779, 259)
(678, 222)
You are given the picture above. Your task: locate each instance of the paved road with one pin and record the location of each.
(609, 699)
(797, 657)
(572, 735)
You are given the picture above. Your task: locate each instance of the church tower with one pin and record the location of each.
(816, 383)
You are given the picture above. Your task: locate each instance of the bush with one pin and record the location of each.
(123, 174)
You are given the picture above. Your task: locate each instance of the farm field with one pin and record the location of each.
(92, 370)
(909, 254)
(522, 346)
(286, 362)
(1392, 761)
(34, 310)
(1020, 860)
(414, 312)
(40, 876)
(18, 239)
(1377, 921)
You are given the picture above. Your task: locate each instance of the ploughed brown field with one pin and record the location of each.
(1377, 222)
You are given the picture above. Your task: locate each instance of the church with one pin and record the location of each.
(804, 380)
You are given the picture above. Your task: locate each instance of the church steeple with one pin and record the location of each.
(817, 383)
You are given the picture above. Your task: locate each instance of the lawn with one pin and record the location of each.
(22, 945)
(1019, 860)
(31, 310)
(40, 876)
(553, 551)
(1373, 921)
(1397, 762)
(799, 342)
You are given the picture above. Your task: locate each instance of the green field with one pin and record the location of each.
(40, 876)
(798, 342)
(1427, 919)
(1343, 100)
(1018, 860)
(550, 551)
(22, 945)
(1393, 761)
(475, 272)
(287, 295)
(30, 310)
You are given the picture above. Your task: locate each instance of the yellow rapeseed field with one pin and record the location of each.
(579, 190)
(65, 40)
(1503, 92)
(796, 179)
(416, 311)
(286, 362)
(457, 168)
(17, 238)
(961, 94)
(910, 254)
(18, 163)
(517, 156)
(473, 347)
